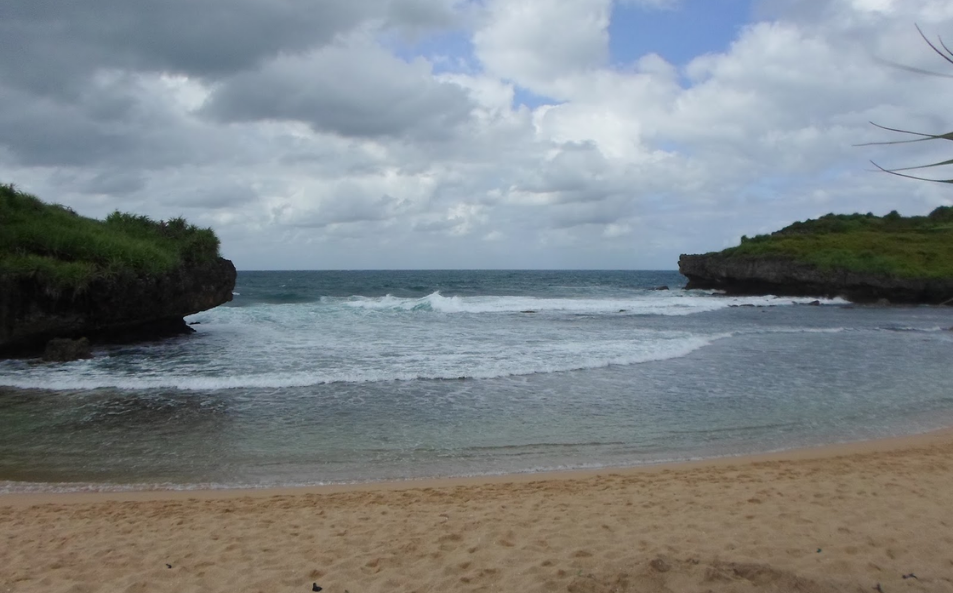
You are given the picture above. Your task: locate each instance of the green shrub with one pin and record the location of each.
(53, 243)
(912, 247)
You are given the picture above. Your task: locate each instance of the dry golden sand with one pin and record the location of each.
(837, 519)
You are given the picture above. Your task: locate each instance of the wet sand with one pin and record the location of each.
(839, 518)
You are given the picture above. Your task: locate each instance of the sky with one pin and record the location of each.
(413, 134)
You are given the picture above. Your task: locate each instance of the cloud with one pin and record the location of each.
(653, 4)
(320, 135)
(534, 41)
(353, 88)
(117, 120)
(213, 197)
(51, 42)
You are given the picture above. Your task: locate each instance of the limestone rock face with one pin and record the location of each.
(124, 307)
(741, 275)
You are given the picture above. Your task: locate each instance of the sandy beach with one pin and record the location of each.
(841, 518)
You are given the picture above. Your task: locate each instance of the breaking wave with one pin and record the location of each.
(506, 362)
(658, 303)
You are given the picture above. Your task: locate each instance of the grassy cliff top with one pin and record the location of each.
(892, 245)
(54, 244)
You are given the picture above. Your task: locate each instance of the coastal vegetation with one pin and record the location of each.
(54, 245)
(891, 245)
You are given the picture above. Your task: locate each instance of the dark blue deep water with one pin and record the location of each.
(317, 377)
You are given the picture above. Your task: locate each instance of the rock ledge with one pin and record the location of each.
(123, 308)
(746, 275)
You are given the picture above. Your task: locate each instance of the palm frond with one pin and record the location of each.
(913, 69)
(924, 137)
(948, 58)
(894, 172)
(921, 137)
(940, 164)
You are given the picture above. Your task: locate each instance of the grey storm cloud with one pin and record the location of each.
(48, 45)
(115, 124)
(227, 195)
(570, 215)
(41, 134)
(348, 89)
(71, 91)
(113, 183)
(355, 207)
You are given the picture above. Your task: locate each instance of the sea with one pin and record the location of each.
(322, 377)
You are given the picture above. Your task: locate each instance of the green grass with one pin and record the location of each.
(54, 244)
(892, 245)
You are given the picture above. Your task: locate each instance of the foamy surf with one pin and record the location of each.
(317, 377)
(501, 362)
(676, 302)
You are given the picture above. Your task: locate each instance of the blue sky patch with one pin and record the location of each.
(449, 51)
(693, 28)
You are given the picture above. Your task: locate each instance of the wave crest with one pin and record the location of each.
(675, 302)
(506, 364)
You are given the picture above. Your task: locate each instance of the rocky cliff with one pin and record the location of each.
(126, 306)
(756, 275)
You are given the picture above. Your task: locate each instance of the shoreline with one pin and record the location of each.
(819, 452)
(872, 515)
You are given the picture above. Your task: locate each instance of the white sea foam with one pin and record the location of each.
(372, 340)
(676, 302)
(501, 361)
(335, 388)
(905, 328)
(798, 330)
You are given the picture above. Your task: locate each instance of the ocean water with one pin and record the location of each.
(329, 377)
